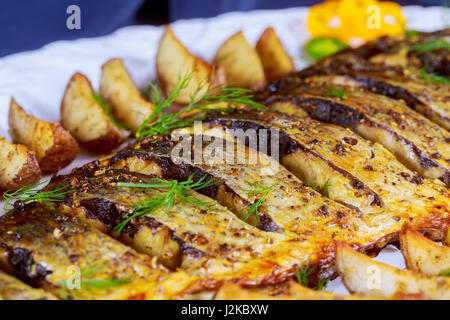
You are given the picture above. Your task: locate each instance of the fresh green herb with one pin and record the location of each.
(260, 193)
(177, 191)
(445, 273)
(29, 193)
(305, 273)
(107, 108)
(319, 48)
(159, 122)
(325, 186)
(88, 283)
(336, 92)
(316, 187)
(433, 77)
(411, 33)
(430, 45)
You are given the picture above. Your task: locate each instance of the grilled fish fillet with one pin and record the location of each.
(13, 289)
(386, 67)
(402, 51)
(417, 142)
(47, 250)
(296, 211)
(232, 248)
(210, 242)
(344, 166)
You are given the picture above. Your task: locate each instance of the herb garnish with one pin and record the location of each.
(316, 187)
(28, 193)
(433, 77)
(160, 122)
(177, 191)
(336, 92)
(107, 108)
(91, 284)
(445, 273)
(411, 33)
(304, 274)
(430, 45)
(260, 193)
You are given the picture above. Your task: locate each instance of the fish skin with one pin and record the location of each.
(39, 245)
(400, 189)
(14, 289)
(417, 142)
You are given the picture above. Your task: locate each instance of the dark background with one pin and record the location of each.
(30, 24)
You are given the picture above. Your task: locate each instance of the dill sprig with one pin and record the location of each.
(319, 189)
(176, 191)
(30, 193)
(160, 122)
(412, 33)
(107, 108)
(445, 273)
(305, 273)
(430, 45)
(433, 77)
(336, 92)
(91, 283)
(260, 193)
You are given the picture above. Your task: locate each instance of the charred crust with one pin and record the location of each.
(288, 145)
(26, 268)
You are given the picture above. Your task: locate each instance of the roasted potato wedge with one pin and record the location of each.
(293, 291)
(85, 118)
(243, 67)
(174, 61)
(423, 255)
(55, 147)
(118, 89)
(364, 276)
(274, 58)
(18, 166)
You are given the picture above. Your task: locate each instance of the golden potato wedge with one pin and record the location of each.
(274, 58)
(366, 277)
(85, 118)
(118, 89)
(55, 147)
(423, 255)
(18, 166)
(243, 67)
(293, 291)
(174, 61)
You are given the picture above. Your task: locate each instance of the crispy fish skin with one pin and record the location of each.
(210, 242)
(14, 289)
(386, 67)
(313, 218)
(414, 140)
(222, 246)
(403, 194)
(42, 248)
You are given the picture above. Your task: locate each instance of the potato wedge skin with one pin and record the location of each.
(274, 58)
(174, 61)
(55, 147)
(18, 166)
(85, 119)
(118, 89)
(423, 255)
(243, 67)
(364, 276)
